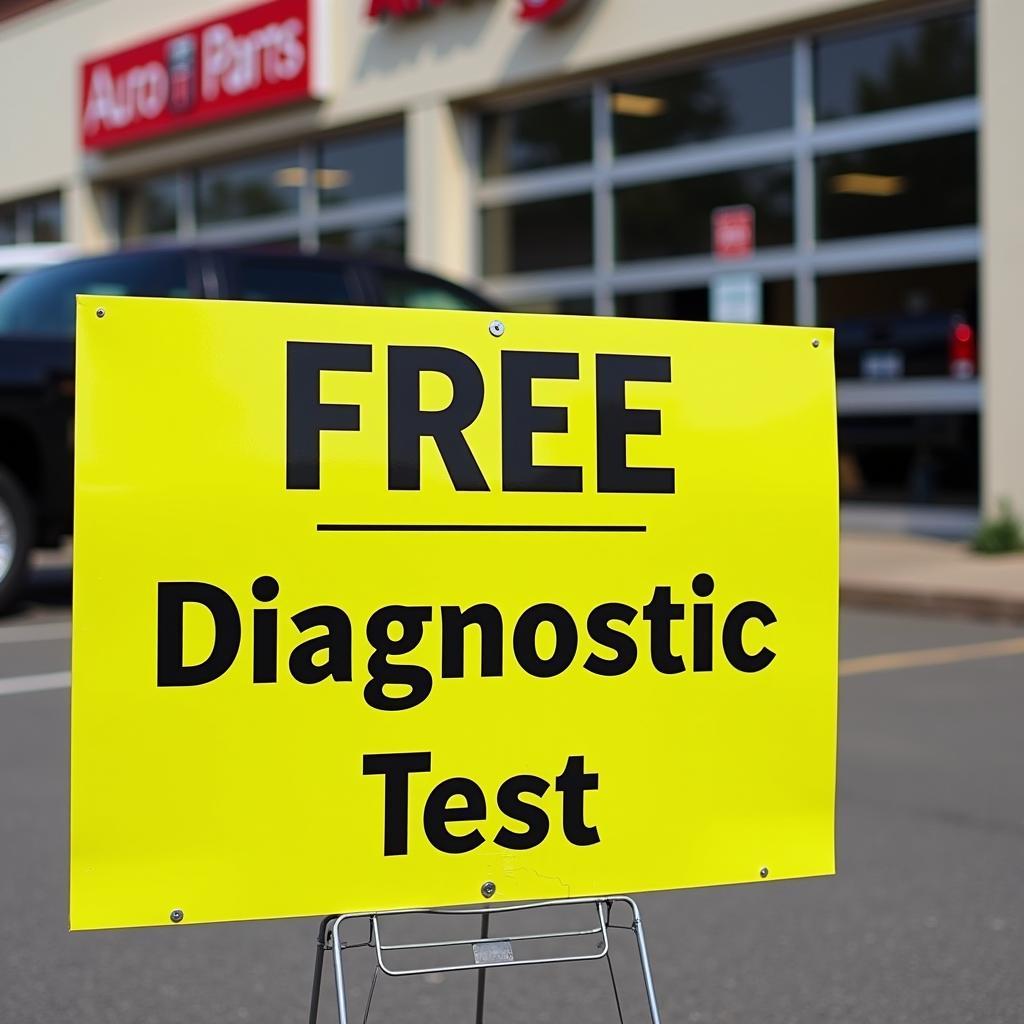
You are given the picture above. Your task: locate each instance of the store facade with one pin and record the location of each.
(587, 157)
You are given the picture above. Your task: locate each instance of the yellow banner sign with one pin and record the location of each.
(374, 607)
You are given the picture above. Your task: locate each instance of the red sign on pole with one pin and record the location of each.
(732, 232)
(249, 60)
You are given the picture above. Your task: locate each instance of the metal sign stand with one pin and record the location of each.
(487, 951)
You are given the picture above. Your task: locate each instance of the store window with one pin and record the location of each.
(149, 207)
(542, 135)
(580, 305)
(47, 218)
(669, 304)
(907, 187)
(900, 64)
(673, 218)
(371, 238)
(36, 219)
(920, 459)
(918, 322)
(535, 236)
(917, 178)
(693, 303)
(729, 96)
(256, 186)
(8, 224)
(361, 166)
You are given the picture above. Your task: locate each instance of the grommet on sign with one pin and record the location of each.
(497, 328)
(101, 313)
(488, 889)
(177, 916)
(764, 872)
(816, 343)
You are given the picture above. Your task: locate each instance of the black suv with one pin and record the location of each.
(37, 360)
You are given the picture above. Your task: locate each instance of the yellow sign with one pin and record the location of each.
(375, 606)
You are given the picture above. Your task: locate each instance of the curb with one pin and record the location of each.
(986, 607)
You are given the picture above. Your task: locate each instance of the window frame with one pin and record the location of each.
(801, 144)
(307, 222)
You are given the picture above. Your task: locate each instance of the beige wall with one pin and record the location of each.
(1002, 155)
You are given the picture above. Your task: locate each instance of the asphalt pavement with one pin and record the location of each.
(923, 923)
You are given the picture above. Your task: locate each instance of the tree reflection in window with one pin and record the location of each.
(899, 65)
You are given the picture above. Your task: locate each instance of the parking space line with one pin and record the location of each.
(35, 684)
(931, 656)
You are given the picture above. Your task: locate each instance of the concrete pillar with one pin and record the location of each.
(1002, 218)
(439, 180)
(90, 216)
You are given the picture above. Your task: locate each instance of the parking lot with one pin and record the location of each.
(924, 921)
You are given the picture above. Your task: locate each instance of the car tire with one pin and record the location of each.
(16, 538)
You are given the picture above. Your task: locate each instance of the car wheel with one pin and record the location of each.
(16, 530)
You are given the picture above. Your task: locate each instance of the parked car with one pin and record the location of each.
(37, 328)
(939, 344)
(20, 258)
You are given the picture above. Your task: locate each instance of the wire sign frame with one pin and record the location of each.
(487, 952)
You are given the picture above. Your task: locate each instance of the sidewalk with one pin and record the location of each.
(898, 571)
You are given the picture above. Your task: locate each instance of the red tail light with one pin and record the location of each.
(963, 351)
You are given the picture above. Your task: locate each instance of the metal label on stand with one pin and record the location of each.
(497, 952)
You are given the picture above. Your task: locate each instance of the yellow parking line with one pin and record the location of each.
(931, 656)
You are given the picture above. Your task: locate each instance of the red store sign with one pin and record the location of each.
(248, 60)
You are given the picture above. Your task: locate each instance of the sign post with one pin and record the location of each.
(549, 591)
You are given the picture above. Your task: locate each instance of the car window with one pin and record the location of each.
(42, 304)
(287, 279)
(421, 291)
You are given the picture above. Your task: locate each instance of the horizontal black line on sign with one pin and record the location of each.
(473, 528)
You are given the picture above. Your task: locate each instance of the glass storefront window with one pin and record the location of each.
(859, 71)
(729, 96)
(581, 305)
(255, 186)
(47, 218)
(361, 166)
(927, 459)
(543, 135)
(919, 322)
(8, 224)
(37, 219)
(900, 321)
(150, 207)
(777, 300)
(389, 238)
(673, 218)
(541, 235)
(671, 304)
(908, 187)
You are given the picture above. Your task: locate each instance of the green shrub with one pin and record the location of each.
(1000, 534)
